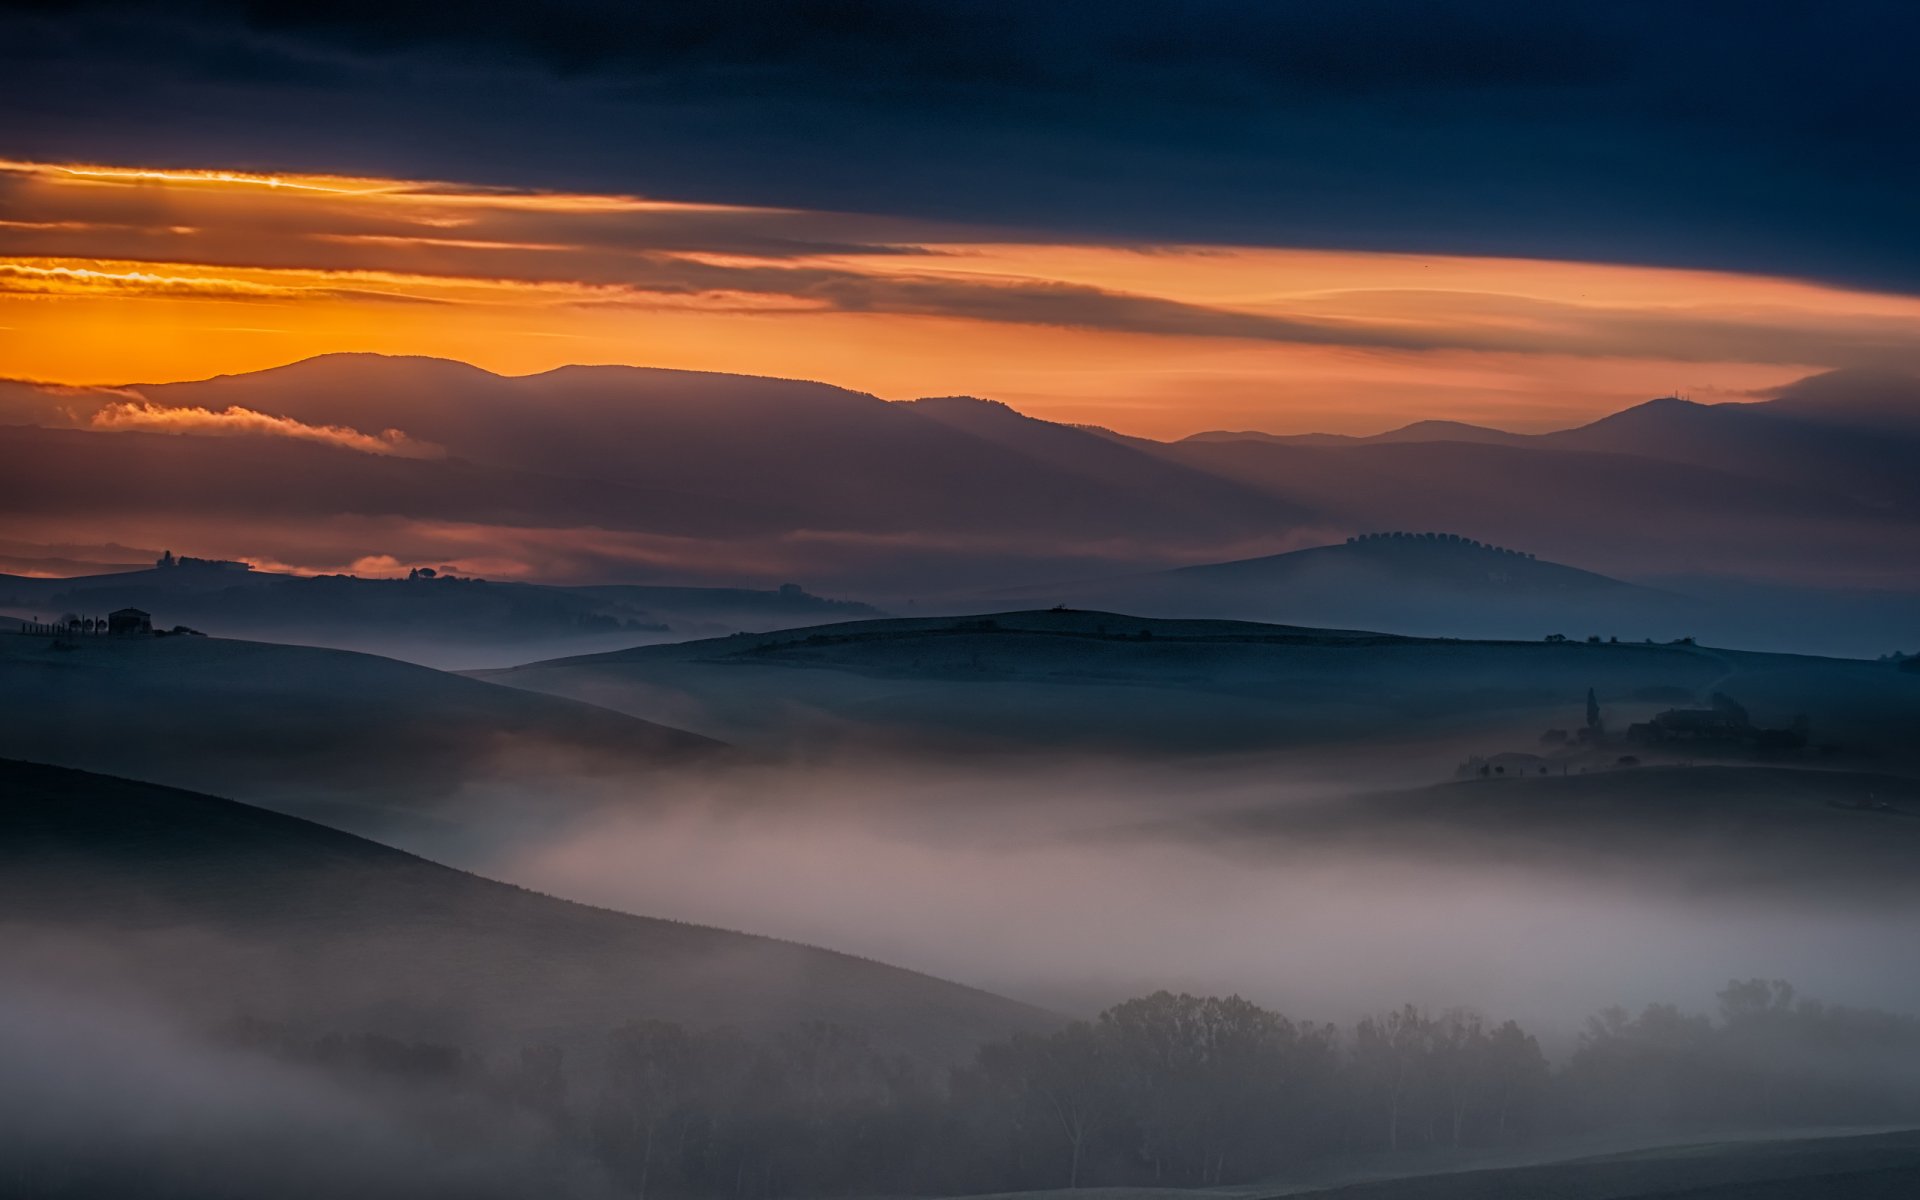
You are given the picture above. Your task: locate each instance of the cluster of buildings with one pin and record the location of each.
(121, 622)
(1723, 730)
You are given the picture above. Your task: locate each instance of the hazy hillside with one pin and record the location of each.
(1813, 835)
(214, 908)
(1415, 583)
(302, 727)
(440, 620)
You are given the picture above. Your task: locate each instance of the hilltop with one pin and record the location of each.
(211, 908)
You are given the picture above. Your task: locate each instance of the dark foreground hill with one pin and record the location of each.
(298, 726)
(210, 908)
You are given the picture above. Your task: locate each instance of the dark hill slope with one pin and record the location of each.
(216, 908)
(1065, 679)
(296, 726)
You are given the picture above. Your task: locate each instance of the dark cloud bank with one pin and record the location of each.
(1761, 138)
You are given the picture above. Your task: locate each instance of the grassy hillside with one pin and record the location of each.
(214, 908)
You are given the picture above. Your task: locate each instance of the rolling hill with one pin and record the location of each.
(209, 908)
(1056, 680)
(365, 739)
(439, 620)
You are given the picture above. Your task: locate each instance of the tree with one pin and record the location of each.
(650, 1070)
(1390, 1052)
(1070, 1080)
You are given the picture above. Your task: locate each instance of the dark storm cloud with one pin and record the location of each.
(1763, 137)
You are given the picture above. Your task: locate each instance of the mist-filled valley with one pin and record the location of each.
(1481, 867)
(1221, 902)
(833, 600)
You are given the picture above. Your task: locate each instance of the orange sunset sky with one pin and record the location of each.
(119, 274)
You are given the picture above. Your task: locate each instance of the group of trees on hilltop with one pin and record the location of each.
(1400, 535)
(1167, 1090)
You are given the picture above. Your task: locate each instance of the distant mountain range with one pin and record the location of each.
(628, 473)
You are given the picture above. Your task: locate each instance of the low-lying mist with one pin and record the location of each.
(1076, 885)
(104, 1097)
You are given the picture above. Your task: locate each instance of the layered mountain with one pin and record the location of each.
(617, 473)
(819, 457)
(211, 909)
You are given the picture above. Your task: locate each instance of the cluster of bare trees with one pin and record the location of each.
(1173, 1090)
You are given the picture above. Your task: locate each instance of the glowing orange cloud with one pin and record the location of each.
(235, 421)
(117, 273)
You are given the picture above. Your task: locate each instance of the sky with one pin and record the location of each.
(1159, 218)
